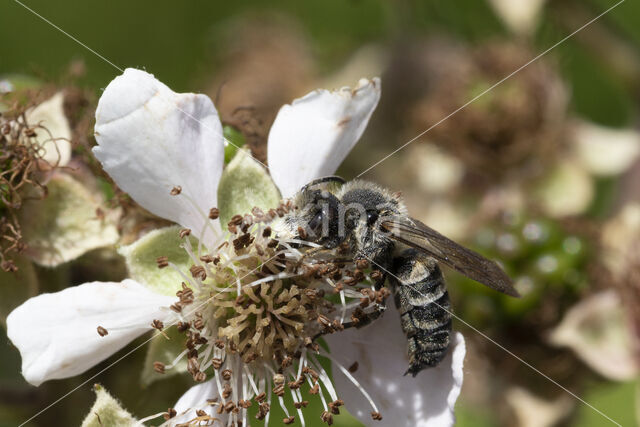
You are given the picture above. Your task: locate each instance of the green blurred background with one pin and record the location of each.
(202, 46)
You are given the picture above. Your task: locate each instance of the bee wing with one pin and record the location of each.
(414, 233)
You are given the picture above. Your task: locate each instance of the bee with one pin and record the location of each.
(372, 223)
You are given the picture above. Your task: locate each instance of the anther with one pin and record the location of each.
(327, 417)
(216, 362)
(102, 331)
(286, 362)
(198, 272)
(157, 324)
(272, 243)
(158, 367)
(185, 232)
(226, 374)
(214, 213)
(353, 367)
(288, 420)
(169, 414)
(376, 416)
(226, 392)
(176, 190)
(376, 275)
(229, 407)
(162, 261)
(362, 264)
(207, 258)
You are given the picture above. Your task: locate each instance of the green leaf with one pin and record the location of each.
(107, 411)
(141, 258)
(164, 350)
(64, 225)
(17, 287)
(245, 184)
(616, 400)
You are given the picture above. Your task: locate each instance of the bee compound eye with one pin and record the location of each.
(316, 222)
(372, 217)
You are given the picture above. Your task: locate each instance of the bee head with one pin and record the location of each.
(365, 205)
(316, 217)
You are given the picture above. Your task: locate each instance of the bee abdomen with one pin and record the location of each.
(425, 310)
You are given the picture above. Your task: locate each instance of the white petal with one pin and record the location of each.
(380, 349)
(151, 139)
(196, 398)
(57, 333)
(606, 151)
(56, 140)
(312, 136)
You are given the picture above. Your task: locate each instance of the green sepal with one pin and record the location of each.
(164, 349)
(107, 411)
(64, 225)
(245, 184)
(141, 258)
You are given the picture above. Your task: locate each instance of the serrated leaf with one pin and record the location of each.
(141, 258)
(64, 225)
(164, 350)
(107, 411)
(245, 184)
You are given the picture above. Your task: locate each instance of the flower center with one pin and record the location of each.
(252, 308)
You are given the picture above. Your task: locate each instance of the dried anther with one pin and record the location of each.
(176, 190)
(289, 420)
(226, 374)
(362, 264)
(169, 414)
(157, 324)
(185, 232)
(376, 416)
(198, 272)
(214, 213)
(162, 261)
(158, 367)
(327, 417)
(102, 331)
(216, 362)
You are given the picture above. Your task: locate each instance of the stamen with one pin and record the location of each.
(251, 309)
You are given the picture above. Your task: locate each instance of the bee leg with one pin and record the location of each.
(379, 309)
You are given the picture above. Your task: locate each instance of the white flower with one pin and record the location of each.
(154, 142)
